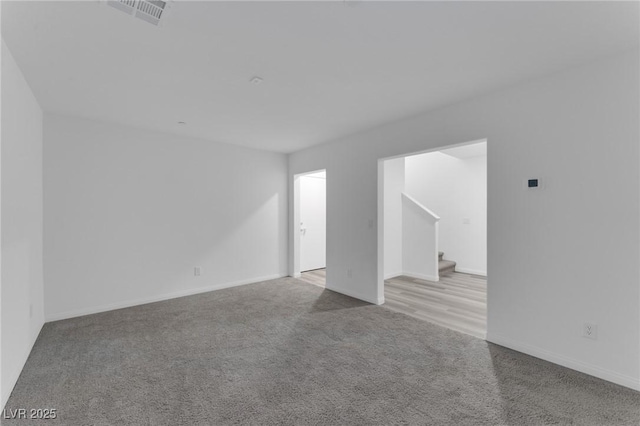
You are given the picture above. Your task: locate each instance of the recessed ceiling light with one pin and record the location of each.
(182, 123)
(256, 80)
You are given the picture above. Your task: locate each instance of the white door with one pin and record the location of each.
(313, 221)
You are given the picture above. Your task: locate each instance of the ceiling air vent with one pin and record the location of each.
(147, 10)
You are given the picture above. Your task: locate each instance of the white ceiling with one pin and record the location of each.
(329, 70)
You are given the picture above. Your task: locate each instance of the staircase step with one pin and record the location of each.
(446, 267)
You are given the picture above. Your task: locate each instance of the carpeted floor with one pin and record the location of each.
(287, 352)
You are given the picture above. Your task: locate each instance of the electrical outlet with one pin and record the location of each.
(197, 271)
(590, 331)
(349, 273)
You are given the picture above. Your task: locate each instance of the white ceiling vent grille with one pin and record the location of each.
(147, 10)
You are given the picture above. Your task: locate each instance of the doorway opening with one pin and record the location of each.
(310, 198)
(433, 251)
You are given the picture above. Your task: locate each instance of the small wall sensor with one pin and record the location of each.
(256, 80)
(533, 183)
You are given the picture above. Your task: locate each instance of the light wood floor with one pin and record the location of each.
(458, 301)
(316, 277)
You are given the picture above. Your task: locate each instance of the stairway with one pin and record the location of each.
(445, 267)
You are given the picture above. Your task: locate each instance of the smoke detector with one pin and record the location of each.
(151, 11)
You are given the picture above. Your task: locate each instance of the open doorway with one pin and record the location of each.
(311, 207)
(434, 236)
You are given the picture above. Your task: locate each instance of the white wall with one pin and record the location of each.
(313, 218)
(394, 171)
(21, 189)
(130, 213)
(455, 189)
(578, 131)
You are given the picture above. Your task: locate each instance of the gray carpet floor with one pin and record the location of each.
(287, 352)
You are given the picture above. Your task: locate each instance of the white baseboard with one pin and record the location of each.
(393, 275)
(421, 276)
(15, 375)
(471, 271)
(574, 364)
(355, 295)
(166, 296)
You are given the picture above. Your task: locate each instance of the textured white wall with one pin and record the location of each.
(394, 171)
(578, 131)
(21, 189)
(130, 213)
(455, 189)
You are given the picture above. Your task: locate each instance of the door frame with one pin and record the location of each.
(380, 210)
(295, 223)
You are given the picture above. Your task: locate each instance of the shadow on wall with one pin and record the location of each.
(247, 226)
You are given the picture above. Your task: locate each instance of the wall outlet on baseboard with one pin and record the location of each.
(197, 271)
(590, 330)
